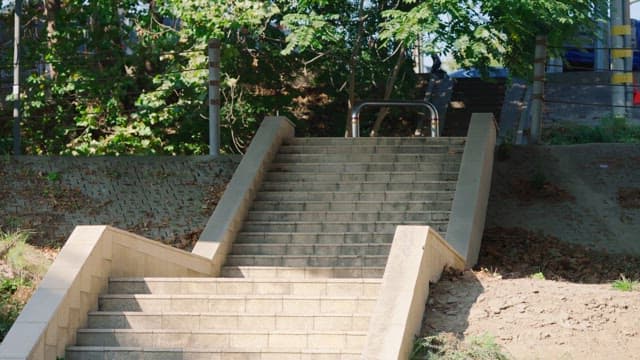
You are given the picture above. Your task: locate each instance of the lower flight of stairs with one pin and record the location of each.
(228, 318)
(303, 275)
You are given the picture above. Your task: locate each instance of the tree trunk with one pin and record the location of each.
(51, 8)
(391, 81)
(355, 54)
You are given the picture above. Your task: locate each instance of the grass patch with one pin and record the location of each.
(448, 347)
(21, 268)
(538, 276)
(610, 130)
(624, 284)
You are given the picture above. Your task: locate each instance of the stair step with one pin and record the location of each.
(224, 353)
(312, 238)
(239, 286)
(398, 216)
(258, 272)
(367, 158)
(236, 303)
(359, 167)
(327, 141)
(226, 321)
(288, 205)
(311, 249)
(203, 339)
(371, 149)
(307, 260)
(388, 227)
(357, 186)
(392, 196)
(407, 176)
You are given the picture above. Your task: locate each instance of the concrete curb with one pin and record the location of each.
(221, 229)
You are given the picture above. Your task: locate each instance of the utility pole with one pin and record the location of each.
(17, 14)
(602, 61)
(214, 97)
(628, 60)
(621, 78)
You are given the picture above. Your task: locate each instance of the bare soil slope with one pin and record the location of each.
(570, 214)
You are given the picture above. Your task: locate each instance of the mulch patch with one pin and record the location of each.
(517, 252)
(527, 191)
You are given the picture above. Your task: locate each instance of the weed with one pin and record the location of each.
(26, 265)
(538, 179)
(504, 151)
(538, 276)
(624, 284)
(53, 176)
(10, 303)
(443, 347)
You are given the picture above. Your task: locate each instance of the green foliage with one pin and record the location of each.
(10, 305)
(624, 284)
(53, 176)
(131, 78)
(538, 276)
(24, 260)
(25, 267)
(610, 130)
(442, 347)
(538, 179)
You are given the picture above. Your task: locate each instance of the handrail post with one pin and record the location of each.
(357, 107)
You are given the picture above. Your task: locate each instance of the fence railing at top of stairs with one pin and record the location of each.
(358, 106)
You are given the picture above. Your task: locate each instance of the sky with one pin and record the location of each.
(635, 11)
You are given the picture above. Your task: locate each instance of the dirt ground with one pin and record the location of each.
(569, 214)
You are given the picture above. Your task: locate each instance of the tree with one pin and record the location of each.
(311, 58)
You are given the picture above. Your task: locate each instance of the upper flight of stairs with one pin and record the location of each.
(303, 274)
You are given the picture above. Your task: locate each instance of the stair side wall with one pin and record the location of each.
(79, 274)
(469, 208)
(222, 227)
(418, 255)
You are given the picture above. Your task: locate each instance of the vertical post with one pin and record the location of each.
(214, 97)
(537, 93)
(602, 61)
(16, 78)
(628, 60)
(619, 77)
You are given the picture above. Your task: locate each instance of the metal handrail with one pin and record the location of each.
(357, 107)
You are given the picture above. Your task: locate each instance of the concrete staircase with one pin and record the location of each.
(303, 274)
